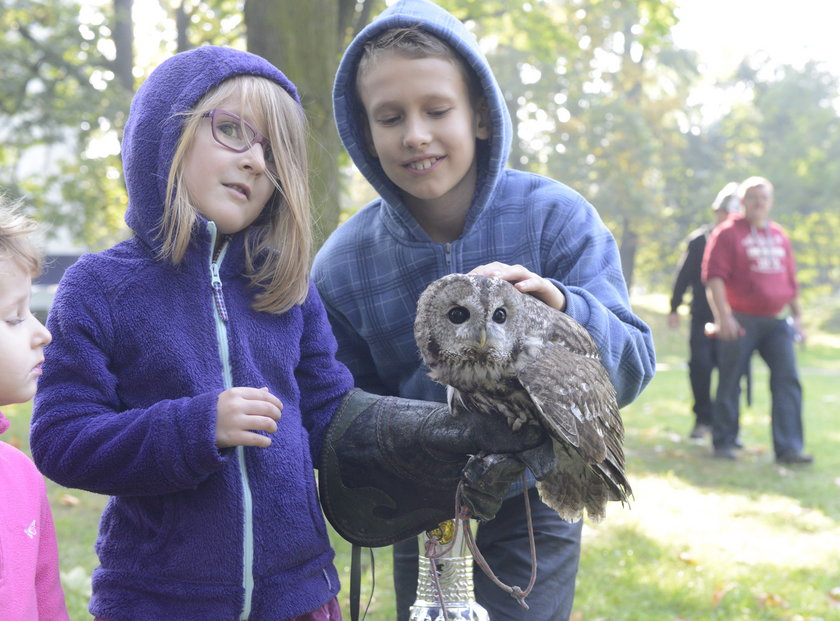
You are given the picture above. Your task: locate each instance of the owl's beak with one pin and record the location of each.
(482, 340)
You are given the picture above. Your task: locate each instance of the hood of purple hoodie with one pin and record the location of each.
(156, 118)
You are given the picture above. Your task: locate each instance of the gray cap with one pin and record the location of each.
(727, 199)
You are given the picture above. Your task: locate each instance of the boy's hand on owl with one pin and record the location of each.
(241, 412)
(525, 281)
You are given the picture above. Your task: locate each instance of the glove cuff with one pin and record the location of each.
(377, 485)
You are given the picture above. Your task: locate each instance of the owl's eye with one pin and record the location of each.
(458, 314)
(499, 315)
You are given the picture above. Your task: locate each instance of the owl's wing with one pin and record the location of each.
(576, 403)
(574, 399)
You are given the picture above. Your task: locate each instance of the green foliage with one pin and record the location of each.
(600, 99)
(218, 22)
(60, 107)
(816, 241)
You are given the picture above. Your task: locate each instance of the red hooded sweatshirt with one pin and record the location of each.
(755, 264)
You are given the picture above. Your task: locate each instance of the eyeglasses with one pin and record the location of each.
(236, 134)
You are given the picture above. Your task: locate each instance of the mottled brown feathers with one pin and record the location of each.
(506, 353)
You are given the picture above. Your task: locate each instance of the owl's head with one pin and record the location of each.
(472, 331)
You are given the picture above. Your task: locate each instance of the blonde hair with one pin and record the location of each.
(278, 244)
(16, 242)
(753, 182)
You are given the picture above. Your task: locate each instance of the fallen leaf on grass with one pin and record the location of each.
(771, 600)
(69, 500)
(685, 557)
(719, 592)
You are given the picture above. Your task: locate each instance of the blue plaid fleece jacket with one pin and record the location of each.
(127, 402)
(372, 269)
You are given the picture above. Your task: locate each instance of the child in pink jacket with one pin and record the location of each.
(30, 587)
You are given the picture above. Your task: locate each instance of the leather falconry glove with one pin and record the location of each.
(390, 467)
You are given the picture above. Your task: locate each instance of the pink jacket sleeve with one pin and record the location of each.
(47, 576)
(30, 584)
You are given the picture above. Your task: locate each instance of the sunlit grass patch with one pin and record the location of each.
(680, 552)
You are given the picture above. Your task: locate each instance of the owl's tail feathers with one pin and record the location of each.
(612, 474)
(569, 493)
(615, 486)
(561, 492)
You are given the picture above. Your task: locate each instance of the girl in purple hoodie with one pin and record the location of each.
(176, 350)
(30, 588)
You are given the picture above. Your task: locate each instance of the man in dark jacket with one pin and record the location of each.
(701, 359)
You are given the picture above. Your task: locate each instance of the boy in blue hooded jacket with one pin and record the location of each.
(424, 120)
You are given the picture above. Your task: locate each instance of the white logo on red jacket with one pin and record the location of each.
(765, 253)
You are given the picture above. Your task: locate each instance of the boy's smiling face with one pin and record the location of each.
(423, 127)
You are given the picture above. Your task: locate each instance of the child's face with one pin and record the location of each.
(423, 127)
(227, 187)
(22, 337)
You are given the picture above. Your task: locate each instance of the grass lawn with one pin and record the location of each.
(702, 539)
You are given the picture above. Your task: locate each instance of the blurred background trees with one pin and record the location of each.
(602, 99)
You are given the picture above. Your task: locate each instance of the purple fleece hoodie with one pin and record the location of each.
(127, 402)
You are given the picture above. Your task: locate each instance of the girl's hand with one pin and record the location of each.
(241, 411)
(526, 281)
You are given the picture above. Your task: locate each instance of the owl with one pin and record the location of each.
(503, 352)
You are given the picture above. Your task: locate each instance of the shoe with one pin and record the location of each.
(794, 458)
(738, 443)
(700, 431)
(725, 453)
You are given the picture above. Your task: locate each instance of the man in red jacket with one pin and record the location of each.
(750, 277)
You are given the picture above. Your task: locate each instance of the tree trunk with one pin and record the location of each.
(302, 40)
(627, 251)
(124, 44)
(182, 26)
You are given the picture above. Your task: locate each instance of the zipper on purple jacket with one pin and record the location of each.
(218, 294)
(222, 320)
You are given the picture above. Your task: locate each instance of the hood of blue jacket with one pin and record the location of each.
(156, 118)
(492, 154)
